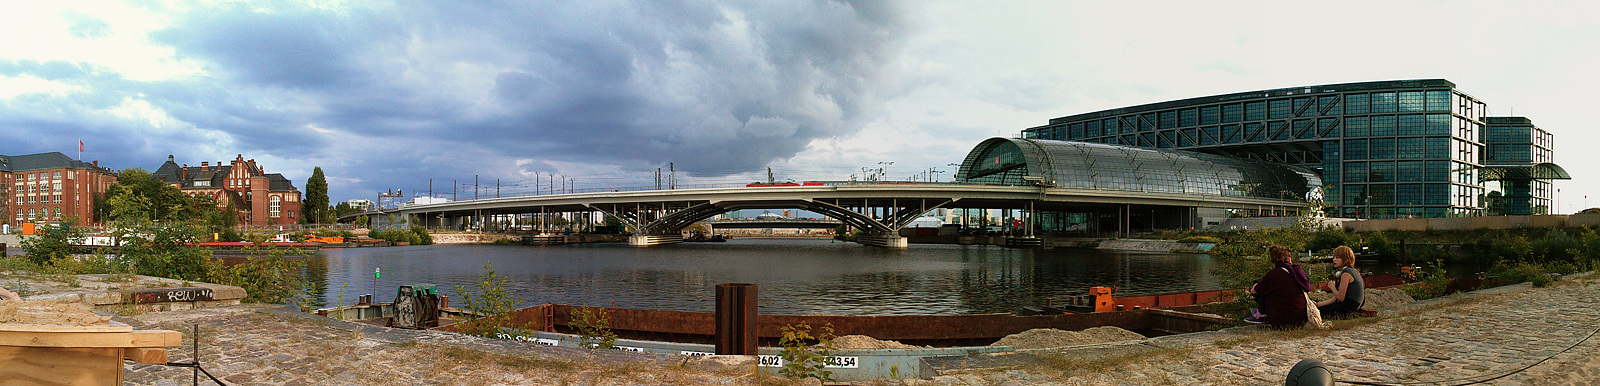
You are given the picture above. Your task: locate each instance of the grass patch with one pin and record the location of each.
(1073, 365)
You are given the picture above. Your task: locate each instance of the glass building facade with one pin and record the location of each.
(1387, 149)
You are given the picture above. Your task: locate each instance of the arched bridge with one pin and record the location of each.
(878, 209)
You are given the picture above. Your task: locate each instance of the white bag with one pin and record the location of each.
(1313, 315)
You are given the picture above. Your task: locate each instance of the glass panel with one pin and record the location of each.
(1412, 101)
(1188, 117)
(1437, 171)
(1305, 107)
(1436, 194)
(1329, 105)
(1232, 113)
(1383, 125)
(1382, 148)
(1381, 171)
(1383, 102)
(1408, 194)
(1355, 195)
(1210, 115)
(1278, 109)
(1255, 111)
(1409, 171)
(1169, 119)
(1411, 124)
(1439, 101)
(1355, 172)
(1355, 103)
(1410, 148)
(1355, 149)
(1438, 124)
(1382, 194)
(1328, 127)
(1356, 126)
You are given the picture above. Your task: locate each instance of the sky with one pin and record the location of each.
(386, 95)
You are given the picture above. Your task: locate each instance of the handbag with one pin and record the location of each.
(1313, 315)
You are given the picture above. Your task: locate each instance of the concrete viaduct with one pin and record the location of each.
(878, 209)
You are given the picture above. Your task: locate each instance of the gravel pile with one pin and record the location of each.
(864, 342)
(1050, 337)
(1384, 298)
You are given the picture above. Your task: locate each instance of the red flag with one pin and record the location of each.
(80, 146)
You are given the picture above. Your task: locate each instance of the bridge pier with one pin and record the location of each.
(889, 241)
(648, 240)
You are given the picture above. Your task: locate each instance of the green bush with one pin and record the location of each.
(1328, 239)
(422, 235)
(1512, 273)
(802, 359)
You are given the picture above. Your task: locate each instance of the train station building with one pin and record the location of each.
(1385, 149)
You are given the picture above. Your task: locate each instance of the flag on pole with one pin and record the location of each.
(80, 146)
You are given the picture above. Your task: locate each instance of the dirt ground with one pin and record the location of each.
(1050, 337)
(49, 312)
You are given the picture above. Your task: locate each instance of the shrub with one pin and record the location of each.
(1328, 239)
(1512, 273)
(492, 300)
(802, 359)
(594, 329)
(423, 237)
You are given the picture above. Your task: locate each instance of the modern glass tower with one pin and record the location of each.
(1386, 149)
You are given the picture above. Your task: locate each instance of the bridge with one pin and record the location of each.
(1037, 184)
(878, 210)
(762, 223)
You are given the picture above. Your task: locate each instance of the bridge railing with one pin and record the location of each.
(694, 186)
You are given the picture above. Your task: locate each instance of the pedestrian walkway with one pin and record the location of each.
(1520, 334)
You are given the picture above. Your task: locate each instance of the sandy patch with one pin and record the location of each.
(1050, 337)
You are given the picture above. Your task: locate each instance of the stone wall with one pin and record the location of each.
(470, 238)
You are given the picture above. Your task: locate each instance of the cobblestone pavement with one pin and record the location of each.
(268, 345)
(1451, 340)
(1460, 338)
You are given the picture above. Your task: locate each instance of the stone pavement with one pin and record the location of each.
(273, 345)
(1451, 340)
(1455, 339)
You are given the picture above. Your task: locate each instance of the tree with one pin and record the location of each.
(139, 196)
(56, 241)
(316, 202)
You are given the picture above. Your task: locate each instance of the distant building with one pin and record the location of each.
(258, 198)
(359, 204)
(50, 186)
(1385, 149)
(425, 200)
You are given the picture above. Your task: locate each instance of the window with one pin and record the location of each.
(58, 187)
(1382, 148)
(57, 213)
(1382, 194)
(1380, 171)
(1412, 101)
(1355, 103)
(1356, 126)
(1439, 101)
(1232, 113)
(1355, 172)
(1210, 115)
(1412, 124)
(1255, 111)
(1188, 117)
(1383, 102)
(1328, 105)
(1278, 109)
(275, 205)
(1409, 171)
(1410, 148)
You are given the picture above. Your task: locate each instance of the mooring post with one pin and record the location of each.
(2, 250)
(736, 319)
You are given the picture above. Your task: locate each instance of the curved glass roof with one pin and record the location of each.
(1066, 164)
(1541, 171)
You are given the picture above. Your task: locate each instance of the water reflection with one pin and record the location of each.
(796, 276)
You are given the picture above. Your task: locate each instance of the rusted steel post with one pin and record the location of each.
(2, 250)
(736, 319)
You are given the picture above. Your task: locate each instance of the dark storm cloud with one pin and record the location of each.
(716, 88)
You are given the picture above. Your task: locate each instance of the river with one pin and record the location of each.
(794, 276)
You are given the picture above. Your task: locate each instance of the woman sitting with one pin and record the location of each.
(1346, 285)
(1282, 292)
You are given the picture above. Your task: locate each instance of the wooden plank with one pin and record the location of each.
(60, 366)
(60, 328)
(149, 338)
(153, 356)
(157, 338)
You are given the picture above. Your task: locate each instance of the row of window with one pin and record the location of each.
(31, 200)
(1302, 107)
(1405, 195)
(36, 213)
(1349, 127)
(33, 177)
(36, 189)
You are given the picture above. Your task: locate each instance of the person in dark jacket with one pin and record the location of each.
(1282, 291)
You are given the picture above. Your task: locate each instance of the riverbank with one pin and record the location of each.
(1468, 336)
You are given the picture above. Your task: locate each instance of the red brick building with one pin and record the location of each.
(258, 197)
(50, 186)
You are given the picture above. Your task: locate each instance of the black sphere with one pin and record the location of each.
(1309, 372)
